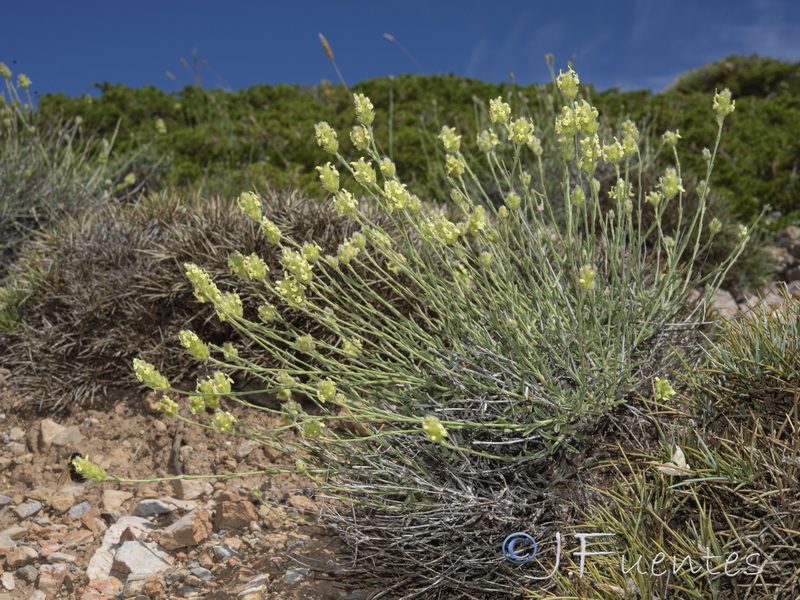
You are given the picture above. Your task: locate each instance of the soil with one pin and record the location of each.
(301, 558)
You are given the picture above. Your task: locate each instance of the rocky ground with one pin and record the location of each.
(211, 538)
(185, 539)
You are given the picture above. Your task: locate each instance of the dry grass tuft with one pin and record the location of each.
(113, 288)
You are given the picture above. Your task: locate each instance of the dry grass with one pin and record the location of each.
(113, 288)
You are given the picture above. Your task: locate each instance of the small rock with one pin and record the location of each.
(37, 595)
(202, 573)
(51, 578)
(245, 448)
(304, 504)
(28, 573)
(223, 552)
(134, 586)
(6, 542)
(176, 576)
(61, 501)
(226, 495)
(16, 434)
(76, 511)
(102, 589)
(114, 499)
(4, 500)
(99, 568)
(766, 297)
(789, 238)
(22, 460)
(255, 588)
(16, 532)
(61, 557)
(47, 549)
(70, 436)
(189, 530)
(272, 455)
(152, 508)
(773, 299)
(92, 520)
(725, 304)
(7, 579)
(191, 489)
(234, 515)
(75, 539)
(27, 509)
(293, 576)
(42, 494)
(154, 588)
(295, 544)
(192, 581)
(16, 449)
(139, 558)
(48, 430)
(233, 542)
(21, 556)
(780, 257)
(183, 505)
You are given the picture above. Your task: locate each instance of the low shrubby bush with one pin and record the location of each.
(436, 430)
(109, 287)
(47, 168)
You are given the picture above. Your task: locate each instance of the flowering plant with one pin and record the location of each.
(511, 328)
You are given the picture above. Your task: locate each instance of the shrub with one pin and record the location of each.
(435, 431)
(48, 168)
(108, 287)
(258, 132)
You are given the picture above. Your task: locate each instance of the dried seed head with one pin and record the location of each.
(326, 46)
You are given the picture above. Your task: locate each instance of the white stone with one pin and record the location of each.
(139, 559)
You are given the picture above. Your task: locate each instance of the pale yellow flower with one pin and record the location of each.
(329, 177)
(568, 83)
(434, 429)
(364, 112)
(499, 111)
(450, 140)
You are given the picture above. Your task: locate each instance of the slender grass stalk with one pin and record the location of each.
(329, 53)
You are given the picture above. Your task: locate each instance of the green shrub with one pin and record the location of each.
(754, 76)
(522, 331)
(260, 134)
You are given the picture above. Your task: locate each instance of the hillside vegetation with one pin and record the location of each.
(226, 142)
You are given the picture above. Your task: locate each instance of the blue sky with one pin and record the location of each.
(67, 46)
